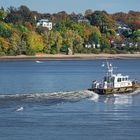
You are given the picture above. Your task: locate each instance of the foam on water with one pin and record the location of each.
(62, 97)
(47, 98)
(20, 109)
(95, 97)
(39, 61)
(118, 99)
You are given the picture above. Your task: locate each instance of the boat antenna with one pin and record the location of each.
(109, 68)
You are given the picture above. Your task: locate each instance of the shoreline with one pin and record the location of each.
(44, 57)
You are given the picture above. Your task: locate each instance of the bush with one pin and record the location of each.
(2, 54)
(113, 51)
(86, 50)
(64, 49)
(53, 51)
(95, 51)
(22, 28)
(30, 51)
(121, 51)
(106, 50)
(11, 52)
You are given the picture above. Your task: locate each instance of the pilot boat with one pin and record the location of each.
(114, 83)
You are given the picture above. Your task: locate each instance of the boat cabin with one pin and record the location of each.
(115, 81)
(112, 80)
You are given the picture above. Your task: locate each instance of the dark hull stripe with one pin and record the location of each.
(121, 90)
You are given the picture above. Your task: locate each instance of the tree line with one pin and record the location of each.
(19, 34)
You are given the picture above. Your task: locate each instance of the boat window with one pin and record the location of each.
(105, 79)
(119, 80)
(123, 79)
(126, 78)
(112, 79)
(109, 79)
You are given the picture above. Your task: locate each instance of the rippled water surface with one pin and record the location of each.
(50, 100)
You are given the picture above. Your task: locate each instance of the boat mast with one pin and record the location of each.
(109, 69)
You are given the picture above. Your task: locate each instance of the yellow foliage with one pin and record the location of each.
(4, 43)
(35, 41)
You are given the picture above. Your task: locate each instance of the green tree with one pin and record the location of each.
(102, 20)
(136, 35)
(49, 41)
(68, 38)
(95, 36)
(78, 43)
(69, 25)
(53, 41)
(35, 43)
(22, 28)
(22, 46)
(105, 44)
(14, 41)
(59, 41)
(73, 40)
(5, 30)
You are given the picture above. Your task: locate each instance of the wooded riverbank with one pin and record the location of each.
(44, 57)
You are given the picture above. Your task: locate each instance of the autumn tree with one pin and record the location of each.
(14, 41)
(131, 19)
(26, 14)
(88, 13)
(20, 15)
(134, 25)
(12, 16)
(3, 14)
(5, 30)
(4, 45)
(59, 41)
(35, 43)
(73, 41)
(95, 36)
(60, 16)
(102, 20)
(105, 44)
(48, 38)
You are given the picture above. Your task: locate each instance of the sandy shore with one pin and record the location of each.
(69, 57)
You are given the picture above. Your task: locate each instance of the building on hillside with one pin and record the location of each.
(123, 28)
(45, 23)
(93, 45)
(80, 19)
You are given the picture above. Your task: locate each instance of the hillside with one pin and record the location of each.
(94, 32)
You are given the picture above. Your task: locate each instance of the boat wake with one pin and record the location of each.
(63, 97)
(46, 98)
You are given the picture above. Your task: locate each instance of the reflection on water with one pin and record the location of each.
(116, 99)
(119, 100)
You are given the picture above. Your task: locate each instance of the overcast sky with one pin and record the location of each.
(77, 6)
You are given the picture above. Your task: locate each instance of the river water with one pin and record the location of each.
(49, 100)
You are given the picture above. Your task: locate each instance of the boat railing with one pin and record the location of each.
(110, 85)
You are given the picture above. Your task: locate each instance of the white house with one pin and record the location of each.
(45, 23)
(121, 27)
